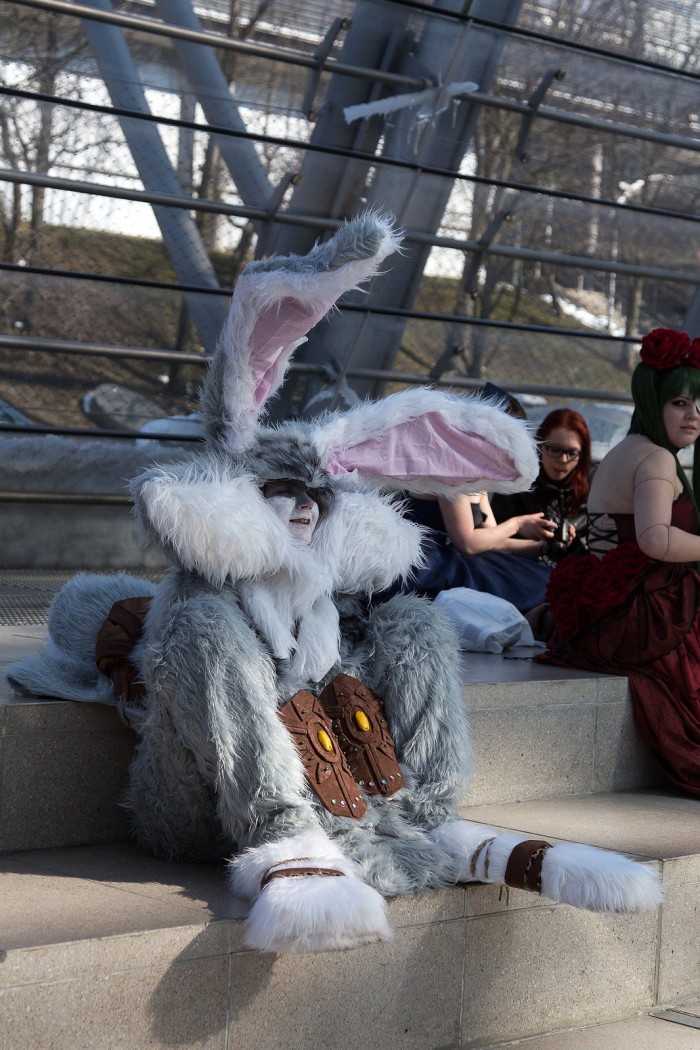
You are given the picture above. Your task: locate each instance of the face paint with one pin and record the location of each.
(291, 503)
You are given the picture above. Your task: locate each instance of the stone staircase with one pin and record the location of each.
(102, 946)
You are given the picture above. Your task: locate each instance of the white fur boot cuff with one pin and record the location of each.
(308, 897)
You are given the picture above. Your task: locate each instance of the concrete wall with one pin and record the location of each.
(84, 535)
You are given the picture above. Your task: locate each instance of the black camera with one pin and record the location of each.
(558, 545)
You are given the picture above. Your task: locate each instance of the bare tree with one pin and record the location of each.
(45, 53)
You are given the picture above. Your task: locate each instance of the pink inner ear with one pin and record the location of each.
(427, 447)
(278, 328)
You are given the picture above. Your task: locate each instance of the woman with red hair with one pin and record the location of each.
(561, 489)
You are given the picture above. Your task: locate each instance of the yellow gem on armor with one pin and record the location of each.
(362, 721)
(324, 740)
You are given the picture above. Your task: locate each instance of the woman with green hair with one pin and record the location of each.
(632, 605)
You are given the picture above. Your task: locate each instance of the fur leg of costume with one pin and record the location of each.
(415, 670)
(213, 710)
(326, 906)
(583, 876)
(406, 653)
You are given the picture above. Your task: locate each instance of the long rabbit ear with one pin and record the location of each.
(432, 442)
(276, 302)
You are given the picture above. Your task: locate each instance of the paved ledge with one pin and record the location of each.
(98, 936)
(25, 595)
(18, 640)
(537, 731)
(636, 1033)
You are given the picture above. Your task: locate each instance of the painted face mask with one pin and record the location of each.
(294, 506)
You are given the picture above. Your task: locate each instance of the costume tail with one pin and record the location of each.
(583, 876)
(66, 666)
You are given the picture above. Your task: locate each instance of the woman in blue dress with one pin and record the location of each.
(465, 547)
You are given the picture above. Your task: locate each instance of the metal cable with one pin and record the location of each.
(544, 38)
(218, 40)
(338, 151)
(580, 262)
(98, 498)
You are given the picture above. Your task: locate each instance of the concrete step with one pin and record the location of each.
(653, 826)
(102, 946)
(83, 535)
(635, 1033)
(538, 731)
(541, 730)
(63, 766)
(105, 947)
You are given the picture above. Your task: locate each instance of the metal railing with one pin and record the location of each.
(329, 64)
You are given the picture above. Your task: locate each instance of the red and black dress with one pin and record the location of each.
(625, 613)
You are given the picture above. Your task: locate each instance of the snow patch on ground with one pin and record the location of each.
(587, 317)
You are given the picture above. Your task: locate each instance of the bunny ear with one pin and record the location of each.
(276, 302)
(431, 442)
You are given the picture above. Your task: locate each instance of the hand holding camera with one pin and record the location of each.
(558, 545)
(535, 526)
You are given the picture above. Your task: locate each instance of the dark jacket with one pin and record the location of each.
(551, 498)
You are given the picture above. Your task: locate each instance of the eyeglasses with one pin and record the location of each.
(557, 452)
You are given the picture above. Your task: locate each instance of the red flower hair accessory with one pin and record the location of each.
(665, 348)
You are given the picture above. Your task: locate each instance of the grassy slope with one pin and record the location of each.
(48, 386)
(516, 357)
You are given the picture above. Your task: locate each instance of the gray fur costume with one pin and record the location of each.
(249, 615)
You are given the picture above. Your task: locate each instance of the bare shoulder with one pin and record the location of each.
(633, 451)
(658, 464)
(634, 459)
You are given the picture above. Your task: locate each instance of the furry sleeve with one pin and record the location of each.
(213, 520)
(367, 543)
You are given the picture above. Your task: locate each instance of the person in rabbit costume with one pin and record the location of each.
(319, 739)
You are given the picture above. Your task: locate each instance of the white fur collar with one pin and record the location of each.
(307, 635)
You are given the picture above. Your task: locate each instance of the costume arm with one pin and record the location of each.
(654, 489)
(459, 525)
